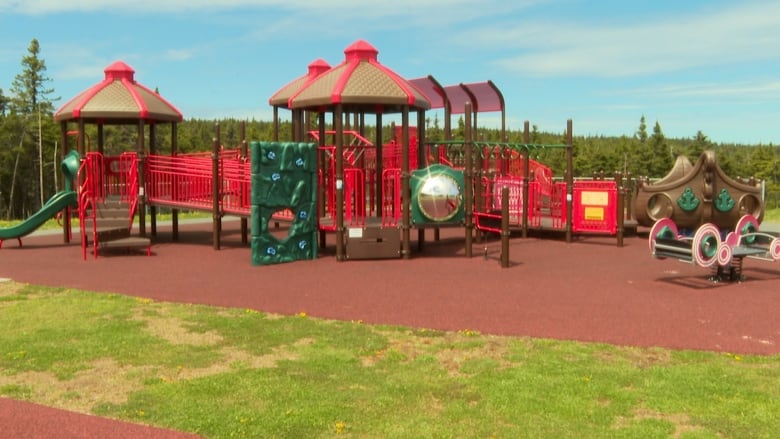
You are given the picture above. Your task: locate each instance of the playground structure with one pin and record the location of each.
(706, 218)
(369, 193)
(708, 247)
(692, 195)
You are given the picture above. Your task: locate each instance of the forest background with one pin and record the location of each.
(30, 148)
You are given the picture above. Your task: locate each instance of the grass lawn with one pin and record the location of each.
(225, 373)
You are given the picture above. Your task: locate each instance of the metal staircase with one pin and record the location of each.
(110, 228)
(105, 207)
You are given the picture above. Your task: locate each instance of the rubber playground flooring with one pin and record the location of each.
(588, 290)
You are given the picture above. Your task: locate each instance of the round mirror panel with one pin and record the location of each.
(439, 197)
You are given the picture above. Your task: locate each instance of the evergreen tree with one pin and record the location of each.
(661, 159)
(641, 132)
(4, 101)
(33, 134)
(700, 144)
(29, 88)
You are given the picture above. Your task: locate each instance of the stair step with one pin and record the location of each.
(130, 242)
(113, 212)
(115, 223)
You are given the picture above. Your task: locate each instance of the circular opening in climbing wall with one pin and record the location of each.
(749, 204)
(659, 206)
(279, 224)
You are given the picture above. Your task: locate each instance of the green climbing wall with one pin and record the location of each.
(284, 176)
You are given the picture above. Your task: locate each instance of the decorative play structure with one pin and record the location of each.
(336, 176)
(371, 192)
(700, 215)
(692, 195)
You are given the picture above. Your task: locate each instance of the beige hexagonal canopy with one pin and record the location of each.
(360, 83)
(281, 98)
(118, 99)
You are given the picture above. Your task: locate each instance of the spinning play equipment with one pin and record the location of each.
(708, 248)
(693, 195)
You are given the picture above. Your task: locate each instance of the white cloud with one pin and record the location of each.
(740, 33)
(431, 8)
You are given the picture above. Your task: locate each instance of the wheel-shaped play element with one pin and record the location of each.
(724, 254)
(774, 249)
(746, 225)
(705, 246)
(664, 228)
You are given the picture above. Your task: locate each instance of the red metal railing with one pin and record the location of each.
(180, 181)
(391, 197)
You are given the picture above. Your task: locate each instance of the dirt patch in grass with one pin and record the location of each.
(681, 422)
(451, 349)
(174, 330)
(104, 381)
(639, 357)
(8, 287)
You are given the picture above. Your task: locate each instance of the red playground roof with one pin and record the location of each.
(484, 96)
(281, 97)
(360, 82)
(118, 99)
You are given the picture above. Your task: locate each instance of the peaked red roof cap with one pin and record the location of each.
(361, 50)
(119, 70)
(360, 81)
(120, 98)
(317, 67)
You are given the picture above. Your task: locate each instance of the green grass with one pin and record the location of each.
(225, 373)
(772, 216)
(53, 223)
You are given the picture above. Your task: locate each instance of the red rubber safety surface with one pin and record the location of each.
(589, 290)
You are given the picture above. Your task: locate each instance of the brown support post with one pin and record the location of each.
(244, 223)
(276, 124)
(526, 174)
(421, 158)
(141, 179)
(100, 138)
(380, 167)
(80, 139)
(628, 201)
(174, 151)
(504, 227)
(405, 202)
(325, 169)
(65, 149)
(215, 188)
(469, 177)
(338, 128)
(569, 179)
(152, 150)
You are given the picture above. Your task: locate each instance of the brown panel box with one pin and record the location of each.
(373, 243)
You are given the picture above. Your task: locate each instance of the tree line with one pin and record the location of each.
(30, 149)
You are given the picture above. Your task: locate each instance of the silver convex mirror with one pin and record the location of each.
(439, 197)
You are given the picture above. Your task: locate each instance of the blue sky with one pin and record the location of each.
(689, 65)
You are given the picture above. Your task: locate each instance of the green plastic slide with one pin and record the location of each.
(59, 201)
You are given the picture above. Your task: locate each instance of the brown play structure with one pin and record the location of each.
(694, 194)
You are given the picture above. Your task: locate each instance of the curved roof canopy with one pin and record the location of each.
(281, 97)
(360, 83)
(484, 96)
(118, 99)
